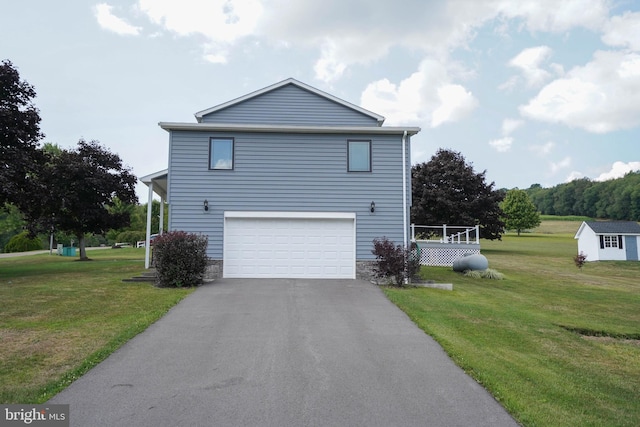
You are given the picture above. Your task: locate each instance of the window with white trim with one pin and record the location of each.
(610, 241)
(359, 155)
(221, 153)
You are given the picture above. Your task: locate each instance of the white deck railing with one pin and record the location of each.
(459, 234)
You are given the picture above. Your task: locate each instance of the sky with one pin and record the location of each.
(532, 92)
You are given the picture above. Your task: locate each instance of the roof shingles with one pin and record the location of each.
(614, 227)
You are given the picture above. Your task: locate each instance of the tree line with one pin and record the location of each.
(616, 199)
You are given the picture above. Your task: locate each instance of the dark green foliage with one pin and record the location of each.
(11, 223)
(19, 136)
(446, 190)
(77, 190)
(131, 237)
(519, 211)
(180, 259)
(138, 223)
(617, 199)
(23, 242)
(394, 262)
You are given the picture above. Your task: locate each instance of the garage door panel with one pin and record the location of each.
(289, 247)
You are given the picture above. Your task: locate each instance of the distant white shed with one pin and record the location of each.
(609, 240)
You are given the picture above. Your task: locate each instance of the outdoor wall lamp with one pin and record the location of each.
(206, 205)
(373, 206)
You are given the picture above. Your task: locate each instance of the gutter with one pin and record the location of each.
(233, 127)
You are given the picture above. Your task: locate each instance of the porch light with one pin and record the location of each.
(206, 205)
(373, 206)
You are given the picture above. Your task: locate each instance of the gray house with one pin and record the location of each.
(288, 182)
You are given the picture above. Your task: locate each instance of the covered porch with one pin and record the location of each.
(157, 183)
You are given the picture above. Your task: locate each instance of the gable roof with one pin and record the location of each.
(290, 81)
(610, 227)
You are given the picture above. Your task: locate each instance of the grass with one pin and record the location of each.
(60, 317)
(557, 346)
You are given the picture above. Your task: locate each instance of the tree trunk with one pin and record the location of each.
(83, 251)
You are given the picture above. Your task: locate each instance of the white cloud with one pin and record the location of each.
(109, 21)
(529, 61)
(556, 16)
(455, 103)
(509, 84)
(510, 125)
(602, 96)
(219, 22)
(623, 31)
(342, 40)
(437, 29)
(502, 145)
(543, 149)
(618, 170)
(562, 164)
(428, 95)
(329, 67)
(573, 176)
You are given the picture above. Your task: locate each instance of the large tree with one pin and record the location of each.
(19, 136)
(519, 211)
(446, 190)
(79, 190)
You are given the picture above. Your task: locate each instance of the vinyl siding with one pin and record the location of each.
(290, 105)
(286, 172)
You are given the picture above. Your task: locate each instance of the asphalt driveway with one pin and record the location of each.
(281, 353)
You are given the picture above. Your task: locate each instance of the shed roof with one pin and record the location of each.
(614, 227)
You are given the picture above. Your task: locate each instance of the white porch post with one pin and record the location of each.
(161, 227)
(147, 243)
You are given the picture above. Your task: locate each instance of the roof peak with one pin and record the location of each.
(290, 81)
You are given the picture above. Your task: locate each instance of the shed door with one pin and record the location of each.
(631, 243)
(292, 247)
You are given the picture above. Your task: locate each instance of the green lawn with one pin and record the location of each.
(555, 345)
(59, 317)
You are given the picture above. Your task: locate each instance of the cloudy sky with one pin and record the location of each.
(537, 91)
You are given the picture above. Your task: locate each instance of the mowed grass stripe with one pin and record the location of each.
(519, 336)
(59, 317)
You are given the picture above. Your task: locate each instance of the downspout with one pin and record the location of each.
(147, 243)
(404, 196)
(404, 188)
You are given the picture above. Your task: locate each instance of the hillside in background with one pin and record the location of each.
(617, 199)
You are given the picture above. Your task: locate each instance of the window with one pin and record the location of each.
(359, 153)
(221, 153)
(610, 242)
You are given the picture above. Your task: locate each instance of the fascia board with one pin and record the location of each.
(221, 127)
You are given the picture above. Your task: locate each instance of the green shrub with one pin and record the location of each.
(130, 237)
(394, 262)
(180, 259)
(22, 243)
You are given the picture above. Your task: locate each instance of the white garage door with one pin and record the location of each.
(289, 245)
